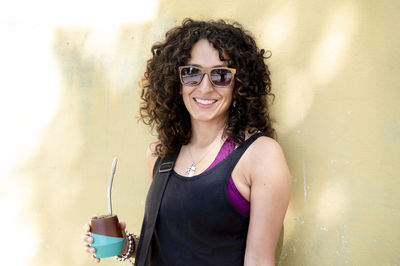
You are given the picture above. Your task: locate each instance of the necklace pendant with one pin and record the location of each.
(191, 169)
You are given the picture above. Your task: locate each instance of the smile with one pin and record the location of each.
(204, 101)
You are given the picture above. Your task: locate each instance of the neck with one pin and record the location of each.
(203, 133)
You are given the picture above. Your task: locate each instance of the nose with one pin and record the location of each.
(205, 84)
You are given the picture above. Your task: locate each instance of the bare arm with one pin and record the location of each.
(270, 188)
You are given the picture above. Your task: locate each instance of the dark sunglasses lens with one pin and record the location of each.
(221, 77)
(191, 75)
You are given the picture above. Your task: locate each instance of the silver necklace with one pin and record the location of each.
(192, 168)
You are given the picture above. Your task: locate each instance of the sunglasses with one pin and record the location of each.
(218, 76)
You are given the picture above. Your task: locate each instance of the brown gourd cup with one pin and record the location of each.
(107, 236)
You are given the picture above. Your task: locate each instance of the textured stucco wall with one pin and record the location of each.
(69, 97)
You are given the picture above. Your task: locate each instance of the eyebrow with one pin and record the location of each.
(197, 65)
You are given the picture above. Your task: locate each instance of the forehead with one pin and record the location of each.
(204, 54)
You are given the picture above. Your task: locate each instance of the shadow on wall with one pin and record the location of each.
(324, 105)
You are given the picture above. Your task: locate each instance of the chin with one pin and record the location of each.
(208, 118)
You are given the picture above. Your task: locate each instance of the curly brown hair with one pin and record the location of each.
(163, 106)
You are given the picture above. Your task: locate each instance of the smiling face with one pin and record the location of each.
(205, 102)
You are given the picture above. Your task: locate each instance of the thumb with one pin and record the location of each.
(123, 225)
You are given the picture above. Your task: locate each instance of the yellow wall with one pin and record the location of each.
(69, 95)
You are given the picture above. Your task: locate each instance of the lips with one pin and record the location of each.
(204, 101)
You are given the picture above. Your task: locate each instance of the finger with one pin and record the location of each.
(87, 239)
(123, 225)
(86, 228)
(90, 250)
(96, 259)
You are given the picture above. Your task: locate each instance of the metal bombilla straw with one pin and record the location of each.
(114, 166)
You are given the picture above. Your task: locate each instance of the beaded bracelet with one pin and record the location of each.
(131, 247)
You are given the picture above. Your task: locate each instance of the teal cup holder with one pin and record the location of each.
(107, 236)
(107, 246)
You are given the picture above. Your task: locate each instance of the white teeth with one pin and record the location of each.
(204, 101)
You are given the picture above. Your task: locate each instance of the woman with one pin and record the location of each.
(206, 92)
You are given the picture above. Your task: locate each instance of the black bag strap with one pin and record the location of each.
(161, 172)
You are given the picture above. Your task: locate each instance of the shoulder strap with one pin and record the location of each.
(161, 172)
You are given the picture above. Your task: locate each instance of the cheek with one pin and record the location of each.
(229, 95)
(185, 91)
(185, 95)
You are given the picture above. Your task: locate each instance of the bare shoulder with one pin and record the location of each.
(151, 157)
(151, 150)
(265, 160)
(265, 146)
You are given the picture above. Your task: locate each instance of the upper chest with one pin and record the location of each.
(231, 166)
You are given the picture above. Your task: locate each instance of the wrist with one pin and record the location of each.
(126, 245)
(129, 248)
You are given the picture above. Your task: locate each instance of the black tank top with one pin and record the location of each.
(197, 224)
